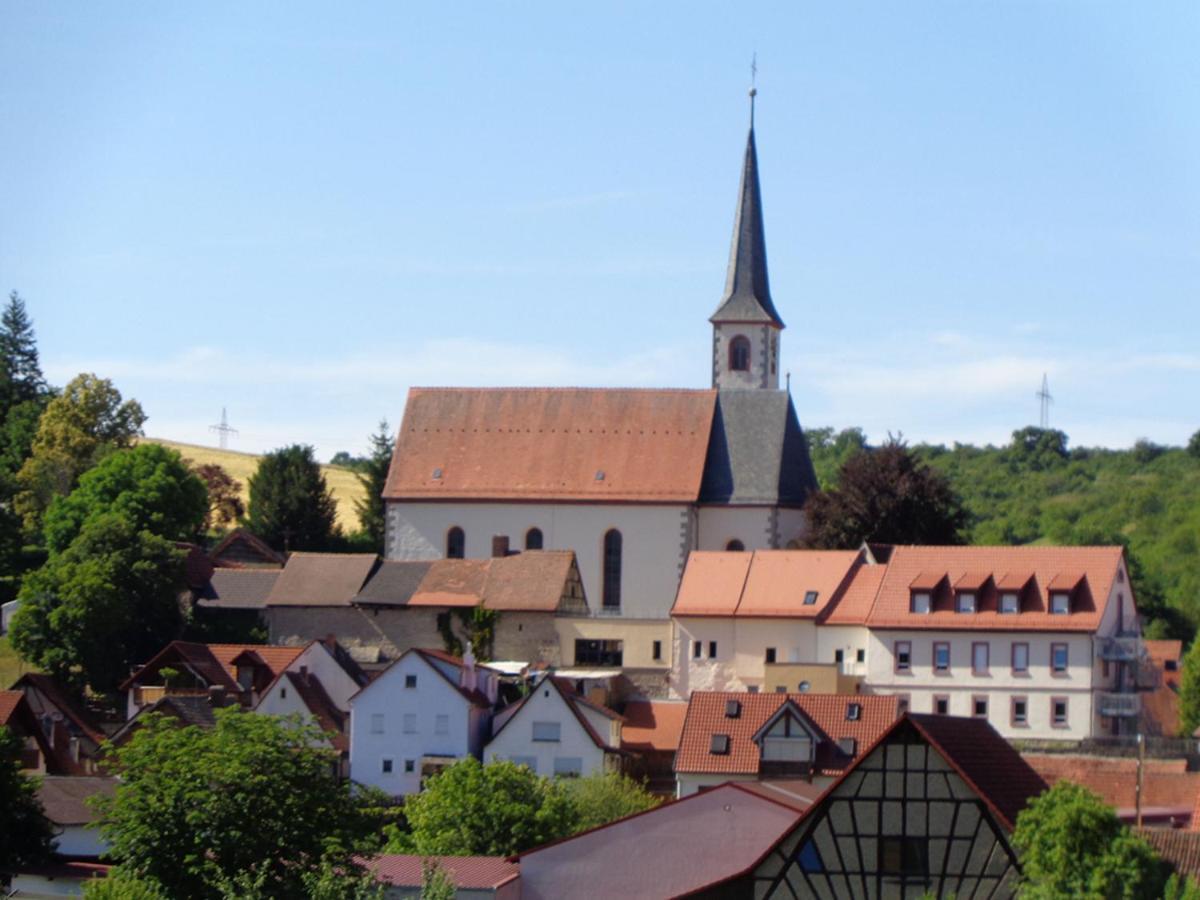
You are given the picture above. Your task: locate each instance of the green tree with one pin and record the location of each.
(149, 486)
(886, 495)
(1036, 449)
(26, 833)
(1189, 691)
(198, 807)
(1181, 888)
(111, 599)
(373, 476)
(20, 372)
(1193, 445)
(225, 504)
(1071, 844)
(605, 797)
(79, 428)
(829, 451)
(435, 883)
(120, 885)
(498, 809)
(291, 507)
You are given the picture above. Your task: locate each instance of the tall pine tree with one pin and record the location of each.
(371, 511)
(20, 371)
(291, 506)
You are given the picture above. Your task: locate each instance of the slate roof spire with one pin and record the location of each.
(747, 292)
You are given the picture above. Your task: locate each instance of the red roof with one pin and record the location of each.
(653, 725)
(9, 701)
(1160, 706)
(214, 662)
(706, 717)
(1179, 848)
(551, 444)
(1165, 782)
(765, 583)
(468, 873)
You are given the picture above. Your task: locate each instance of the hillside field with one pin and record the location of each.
(343, 482)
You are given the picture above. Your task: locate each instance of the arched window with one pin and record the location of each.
(533, 539)
(456, 543)
(739, 354)
(612, 569)
(735, 545)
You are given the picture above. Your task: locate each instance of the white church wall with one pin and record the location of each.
(752, 525)
(764, 369)
(655, 541)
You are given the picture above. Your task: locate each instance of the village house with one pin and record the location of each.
(72, 733)
(37, 756)
(425, 711)
(473, 877)
(554, 731)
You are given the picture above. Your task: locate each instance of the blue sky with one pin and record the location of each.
(298, 211)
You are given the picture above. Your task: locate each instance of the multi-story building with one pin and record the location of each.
(1043, 642)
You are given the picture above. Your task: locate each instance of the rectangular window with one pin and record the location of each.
(810, 597)
(941, 704)
(1058, 712)
(839, 655)
(598, 653)
(443, 621)
(656, 652)
(712, 649)
(1058, 659)
(1010, 603)
(966, 602)
(981, 654)
(410, 681)
(860, 655)
(376, 723)
(1060, 604)
(410, 723)
(903, 857)
(441, 724)
(1020, 658)
(919, 602)
(568, 766)
(979, 706)
(902, 703)
(697, 649)
(546, 731)
(770, 654)
(386, 767)
(410, 766)
(903, 652)
(1020, 711)
(529, 762)
(941, 656)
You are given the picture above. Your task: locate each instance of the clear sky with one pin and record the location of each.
(297, 211)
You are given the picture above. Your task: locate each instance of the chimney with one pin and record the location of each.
(470, 678)
(500, 545)
(216, 695)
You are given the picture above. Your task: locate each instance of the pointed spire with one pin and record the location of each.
(747, 292)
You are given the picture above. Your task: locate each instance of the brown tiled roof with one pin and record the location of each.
(1095, 566)
(329, 718)
(255, 545)
(238, 588)
(277, 659)
(706, 716)
(653, 725)
(763, 583)
(460, 583)
(551, 444)
(321, 579)
(712, 583)
(54, 694)
(1160, 706)
(854, 603)
(1179, 848)
(1165, 782)
(533, 581)
(468, 873)
(9, 701)
(65, 797)
(214, 662)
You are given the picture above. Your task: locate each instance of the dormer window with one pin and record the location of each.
(1010, 602)
(966, 602)
(739, 354)
(920, 602)
(785, 740)
(1060, 604)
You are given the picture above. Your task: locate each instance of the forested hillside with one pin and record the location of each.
(1038, 489)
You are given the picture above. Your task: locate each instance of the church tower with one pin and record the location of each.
(746, 326)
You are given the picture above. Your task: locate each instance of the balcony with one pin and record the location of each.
(1120, 649)
(1118, 705)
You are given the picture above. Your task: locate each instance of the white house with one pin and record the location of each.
(554, 731)
(425, 711)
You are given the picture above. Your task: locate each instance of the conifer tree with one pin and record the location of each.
(291, 506)
(373, 477)
(20, 372)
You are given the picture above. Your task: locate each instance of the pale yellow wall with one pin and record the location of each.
(638, 637)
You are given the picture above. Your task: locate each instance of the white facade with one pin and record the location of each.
(763, 368)
(415, 709)
(544, 734)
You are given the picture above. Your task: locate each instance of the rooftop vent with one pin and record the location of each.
(720, 744)
(853, 712)
(437, 473)
(733, 709)
(599, 474)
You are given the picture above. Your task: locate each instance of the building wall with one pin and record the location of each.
(922, 683)
(742, 645)
(687, 784)
(656, 540)
(515, 739)
(637, 638)
(754, 526)
(764, 356)
(388, 696)
(528, 636)
(337, 682)
(81, 841)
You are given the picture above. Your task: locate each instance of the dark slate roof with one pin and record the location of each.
(747, 293)
(64, 798)
(238, 589)
(757, 453)
(393, 583)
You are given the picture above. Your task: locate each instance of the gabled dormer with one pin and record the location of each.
(787, 742)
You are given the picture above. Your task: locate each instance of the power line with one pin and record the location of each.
(224, 430)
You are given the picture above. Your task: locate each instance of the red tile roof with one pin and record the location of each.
(706, 717)
(468, 873)
(654, 725)
(857, 598)
(1179, 848)
(765, 583)
(56, 696)
(9, 701)
(213, 662)
(1165, 782)
(551, 444)
(1160, 706)
(321, 579)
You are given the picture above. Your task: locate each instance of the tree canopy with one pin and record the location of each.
(149, 486)
(604, 797)
(1189, 691)
(27, 834)
(372, 475)
(884, 494)
(225, 506)
(21, 377)
(1071, 844)
(291, 507)
(197, 810)
(108, 601)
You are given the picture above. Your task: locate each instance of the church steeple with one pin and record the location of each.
(746, 326)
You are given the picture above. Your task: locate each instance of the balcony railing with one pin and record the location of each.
(1121, 649)
(1119, 705)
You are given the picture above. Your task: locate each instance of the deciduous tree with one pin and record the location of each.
(605, 797)
(1189, 691)
(373, 476)
(225, 504)
(25, 834)
(291, 507)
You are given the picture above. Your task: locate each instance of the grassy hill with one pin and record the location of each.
(343, 482)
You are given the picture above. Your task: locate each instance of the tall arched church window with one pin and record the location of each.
(736, 545)
(612, 569)
(533, 539)
(739, 354)
(456, 543)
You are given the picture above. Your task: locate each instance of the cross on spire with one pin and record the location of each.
(753, 85)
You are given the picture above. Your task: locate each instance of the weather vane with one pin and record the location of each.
(753, 84)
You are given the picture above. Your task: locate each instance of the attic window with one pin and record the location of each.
(853, 712)
(599, 474)
(437, 473)
(719, 745)
(848, 746)
(810, 597)
(1170, 665)
(966, 602)
(920, 602)
(1060, 604)
(1010, 602)
(733, 709)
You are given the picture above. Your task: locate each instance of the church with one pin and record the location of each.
(632, 480)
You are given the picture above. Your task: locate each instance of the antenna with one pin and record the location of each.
(753, 84)
(1046, 399)
(224, 430)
